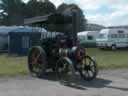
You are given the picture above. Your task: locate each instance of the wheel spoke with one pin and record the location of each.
(90, 62)
(92, 65)
(66, 73)
(37, 61)
(88, 74)
(88, 71)
(86, 61)
(92, 71)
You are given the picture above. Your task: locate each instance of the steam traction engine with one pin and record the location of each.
(60, 52)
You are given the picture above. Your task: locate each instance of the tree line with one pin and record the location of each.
(13, 12)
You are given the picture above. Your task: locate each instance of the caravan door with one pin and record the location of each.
(122, 39)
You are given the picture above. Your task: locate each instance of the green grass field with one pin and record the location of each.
(106, 59)
(12, 65)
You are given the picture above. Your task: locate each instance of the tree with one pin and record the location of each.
(62, 7)
(12, 12)
(66, 10)
(39, 8)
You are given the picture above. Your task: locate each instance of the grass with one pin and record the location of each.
(106, 59)
(12, 66)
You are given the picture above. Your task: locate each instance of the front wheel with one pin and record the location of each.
(88, 70)
(65, 70)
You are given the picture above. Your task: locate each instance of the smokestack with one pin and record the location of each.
(75, 24)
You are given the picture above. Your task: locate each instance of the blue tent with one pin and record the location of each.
(23, 29)
(21, 39)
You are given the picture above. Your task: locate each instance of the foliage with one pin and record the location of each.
(67, 10)
(15, 11)
(62, 7)
(39, 8)
(12, 11)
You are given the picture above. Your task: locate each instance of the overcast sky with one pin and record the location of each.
(104, 12)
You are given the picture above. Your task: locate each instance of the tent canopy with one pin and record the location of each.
(55, 18)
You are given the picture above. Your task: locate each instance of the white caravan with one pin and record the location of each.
(113, 38)
(88, 37)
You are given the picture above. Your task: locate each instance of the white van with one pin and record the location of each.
(112, 38)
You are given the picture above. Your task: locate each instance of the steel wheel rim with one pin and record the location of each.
(35, 62)
(66, 73)
(88, 67)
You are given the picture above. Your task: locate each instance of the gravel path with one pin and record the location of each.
(108, 83)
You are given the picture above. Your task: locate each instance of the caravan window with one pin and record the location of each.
(121, 35)
(120, 31)
(90, 37)
(102, 36)
(113, 35)
(81, 38)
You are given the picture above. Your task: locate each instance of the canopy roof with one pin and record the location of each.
(55, 18)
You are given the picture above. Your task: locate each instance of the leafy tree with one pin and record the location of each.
(62, 7)
(12, 11)
(39, 8)
(67, 10)
(15, 11)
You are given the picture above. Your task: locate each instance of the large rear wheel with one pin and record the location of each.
(37, 61)
(88, 69)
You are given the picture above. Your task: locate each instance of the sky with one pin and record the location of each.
(103, 12)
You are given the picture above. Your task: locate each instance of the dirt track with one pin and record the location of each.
(108, 83)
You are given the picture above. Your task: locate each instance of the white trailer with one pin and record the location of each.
(112, 38)
(88, 37)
